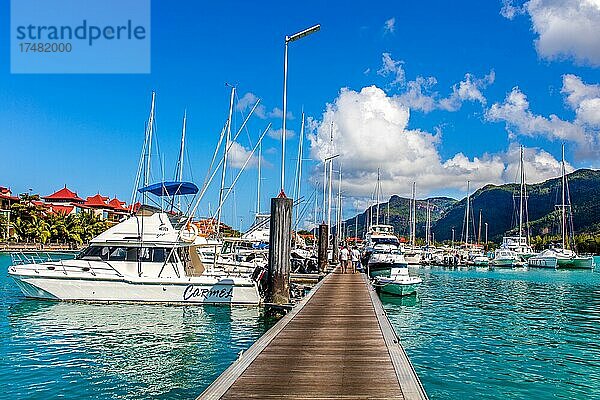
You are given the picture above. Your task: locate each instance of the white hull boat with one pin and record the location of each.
(561, 258)
(118, 267)
(399, 283)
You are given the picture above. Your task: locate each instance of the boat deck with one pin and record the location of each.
(336, 344)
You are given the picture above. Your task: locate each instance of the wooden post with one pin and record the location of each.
(280, 251)
(323, 236)
(335, 250)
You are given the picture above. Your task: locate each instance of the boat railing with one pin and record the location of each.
(21, 258)
(46, 262)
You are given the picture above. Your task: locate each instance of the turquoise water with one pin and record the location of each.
(503, 334)
(471, 334)
(66, 350)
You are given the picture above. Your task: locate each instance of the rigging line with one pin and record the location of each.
(242, 169)
(140, 168)
(306, 204)
(216, 153)
(158, 152)
(205, 187)
(243, 116)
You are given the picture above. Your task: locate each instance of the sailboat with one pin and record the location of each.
(563, 256)
(413, 254)
(516, 249)
(151, 257)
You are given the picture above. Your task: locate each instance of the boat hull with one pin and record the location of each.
(503, 263)
(542, 262)
(124, 291)
(576, 263)
(399, 289)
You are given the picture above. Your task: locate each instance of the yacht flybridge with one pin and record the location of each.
(150, 257)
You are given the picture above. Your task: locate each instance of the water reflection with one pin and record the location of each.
(503, 333)
(124, 351)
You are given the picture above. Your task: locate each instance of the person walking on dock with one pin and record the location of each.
(355, 259)
(344, 258)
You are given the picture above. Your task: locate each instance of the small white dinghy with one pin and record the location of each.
(399, 283)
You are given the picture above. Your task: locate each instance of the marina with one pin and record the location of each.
(300, 201)
(462, 332)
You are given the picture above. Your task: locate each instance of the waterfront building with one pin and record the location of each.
(6, 200)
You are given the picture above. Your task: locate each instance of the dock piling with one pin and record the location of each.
(322, 256)
(278, 291)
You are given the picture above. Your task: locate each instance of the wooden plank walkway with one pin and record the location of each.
(336, 344)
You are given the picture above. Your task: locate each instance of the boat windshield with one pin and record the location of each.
(392, 241)
(116, 253)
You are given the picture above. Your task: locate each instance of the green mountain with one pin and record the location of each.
(499, 205)
(399, 214)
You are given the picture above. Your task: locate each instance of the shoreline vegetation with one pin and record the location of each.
(33, 228)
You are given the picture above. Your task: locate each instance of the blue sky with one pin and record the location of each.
(86, 130)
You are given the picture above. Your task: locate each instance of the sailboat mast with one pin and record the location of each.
(299, 172)
(427, 225)
(563, 211)
(414, 215)
(329, 193)
(521, 197)
(259, 179)
(479, 229)
(356, 223)
(328, 178)
(377, 193)
(467, 213)
(339, 232)
(228, 138)
(324, 189)
(179, 176)
(150, 130)
(388, 212)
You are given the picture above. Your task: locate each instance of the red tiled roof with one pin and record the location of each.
(63, 194)
(117, 204)
(4, 190)
(97, 201)
(65, 210)
(7, 197)
(135, 207)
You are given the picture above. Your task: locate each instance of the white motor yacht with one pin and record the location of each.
(383, 250)
(150, 257)
(504, 257)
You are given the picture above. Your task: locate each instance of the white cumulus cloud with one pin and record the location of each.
(419, 94)
(389, 26)
(565, 29)
(584, 99)
(238, 155)
(393, 68)
(371, 132)
(247, 101)
(276, 133)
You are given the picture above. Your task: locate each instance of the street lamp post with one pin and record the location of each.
(289, 39)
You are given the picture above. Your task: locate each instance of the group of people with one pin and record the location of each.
(349, 259)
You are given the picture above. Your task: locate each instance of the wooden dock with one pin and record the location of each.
(336, 344)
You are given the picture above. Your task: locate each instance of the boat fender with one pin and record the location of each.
(189, 233)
